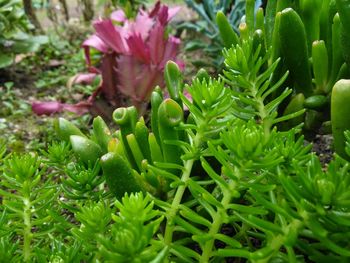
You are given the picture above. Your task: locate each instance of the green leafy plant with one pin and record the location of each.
(206, 27)
(206, 186)
(133, 229)
(27, 203)
(228, 183)
(298, 33)
(52, 208)
(15, 37)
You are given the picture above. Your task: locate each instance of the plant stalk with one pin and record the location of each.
(27, 235)
(169, 229)
(217, 222)
(176, 202)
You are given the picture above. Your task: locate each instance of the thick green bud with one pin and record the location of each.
(227, 34)
(295, 51)
(340, 115)
(320, 64)
(65, 129)
(87, 150)
(170, 116)
(173, 80)
(102, 134)
(119, 175)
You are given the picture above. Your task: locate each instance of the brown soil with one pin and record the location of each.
(322, 146)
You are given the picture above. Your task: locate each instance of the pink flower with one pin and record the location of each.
(140, 48)
(133, 57)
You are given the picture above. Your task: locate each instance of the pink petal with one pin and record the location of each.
(128, 72)
(95, 42)
(171, 50)
(108, 33)
(149, 78)
(46, 108)
(109, 78)
(142, 25)
(79, 108)
(137, 80)
(51, 107)
(155, 9)
(157, 44)
(83, 78)
(163, 15)
(138, 48)
(172, 11)
(118, 16)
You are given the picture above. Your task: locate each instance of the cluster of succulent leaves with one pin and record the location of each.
(14, 27)
(318, 30)
(205, 25)
(310, 37)
(209, 178)
(312, 41)
(49, 208)
(318, 61)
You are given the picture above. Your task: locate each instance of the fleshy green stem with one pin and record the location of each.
(278, 241)
(263, 114)
(169, 229)
(176, 202)
(217, 222)
(27, 235)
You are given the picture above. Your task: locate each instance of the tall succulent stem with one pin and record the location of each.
(179, 194)
(217, 222)
(176, 202)
(27, 235)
